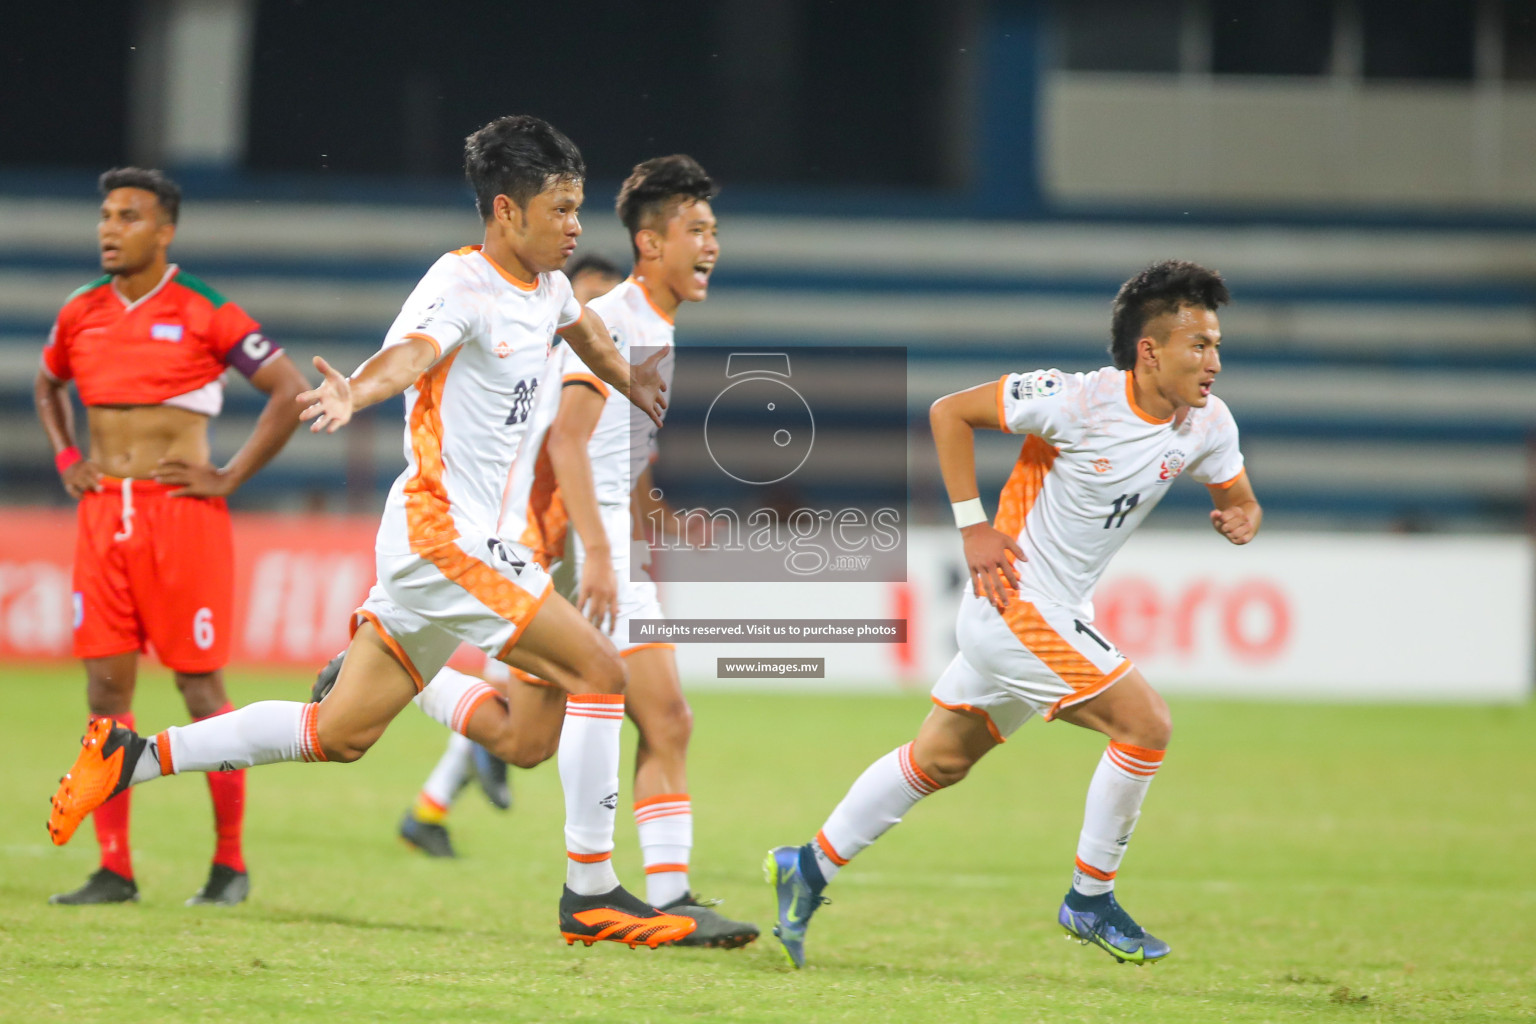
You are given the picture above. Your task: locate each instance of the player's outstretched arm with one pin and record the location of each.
(385, 374)
(989, 553)
(1237, 514)
(569, 434)
(283, 383)
(58, 419)
(642, 385)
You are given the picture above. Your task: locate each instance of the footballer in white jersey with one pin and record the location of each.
(1100, 450)
(468, 343)
(581, 463)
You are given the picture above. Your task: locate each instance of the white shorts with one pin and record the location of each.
(1032, 658)
(477, 590)
(637, 599)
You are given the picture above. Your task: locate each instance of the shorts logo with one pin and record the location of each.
(165, 332)
(78, 600)
(1173, 464)
(1040, 384)
(1101, 465)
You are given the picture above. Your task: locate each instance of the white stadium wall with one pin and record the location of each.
(1292, 616)
(1255, 139)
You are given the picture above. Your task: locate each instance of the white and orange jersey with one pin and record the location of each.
(622, 442)
(465, 416)
(1092, 468)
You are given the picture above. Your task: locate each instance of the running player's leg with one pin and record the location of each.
(972, 715)
(1135, 719)
(372, 688)
(663, 812)
(424, 826)
(567, 650)
(654, 699)
(582, 661)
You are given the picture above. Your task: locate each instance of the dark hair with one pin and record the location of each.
(592, 263)
(658, 185)
(1161, 288)
(167, 192)
(519, 157)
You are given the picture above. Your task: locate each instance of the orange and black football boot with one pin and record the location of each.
(617, 916)
(104, 768)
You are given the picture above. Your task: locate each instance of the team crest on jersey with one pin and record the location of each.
(503, 350)
(165, 332)
(1173, 465)
(1100, 465)
(1040, 384)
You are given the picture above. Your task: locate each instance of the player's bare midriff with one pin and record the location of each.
(131, 440)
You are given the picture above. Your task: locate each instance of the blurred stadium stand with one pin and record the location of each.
(1382, 378)
(1365, 177)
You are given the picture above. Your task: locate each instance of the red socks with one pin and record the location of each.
(111, 821)
(228, 792)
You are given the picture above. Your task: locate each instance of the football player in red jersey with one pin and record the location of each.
(147, 345)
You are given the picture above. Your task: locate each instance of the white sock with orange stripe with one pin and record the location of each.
(665, 824)
(589, 774)
(877, 800)
(452, 697)
(262, 733)
(1119, 785)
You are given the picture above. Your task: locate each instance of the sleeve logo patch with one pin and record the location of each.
(1040, 384)
(165, 332)
(429, 314)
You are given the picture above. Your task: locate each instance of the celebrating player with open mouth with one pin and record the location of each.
(1102, 450)
(467, 350)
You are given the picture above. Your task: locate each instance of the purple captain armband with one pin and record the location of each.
(253, 352)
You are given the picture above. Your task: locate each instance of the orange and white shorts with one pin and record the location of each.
(478, 590)
(1031, 658)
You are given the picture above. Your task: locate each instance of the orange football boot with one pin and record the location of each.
(105, 765)
(617, 916)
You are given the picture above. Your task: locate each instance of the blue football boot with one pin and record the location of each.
(1102, 922)
(798, 897)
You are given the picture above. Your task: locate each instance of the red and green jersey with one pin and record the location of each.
(170, 346)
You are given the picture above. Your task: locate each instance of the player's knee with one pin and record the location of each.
(1154, 729)
(602, 671)
(947, 767)
(528, 751)
(345, 748)
(1159, 725)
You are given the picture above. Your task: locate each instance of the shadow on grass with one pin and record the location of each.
(324, 917)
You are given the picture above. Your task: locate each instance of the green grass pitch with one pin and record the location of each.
(1307, 863)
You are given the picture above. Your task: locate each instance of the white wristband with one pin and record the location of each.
(968, 513)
